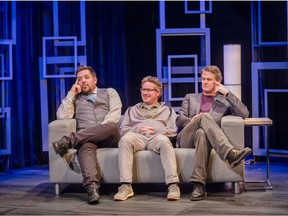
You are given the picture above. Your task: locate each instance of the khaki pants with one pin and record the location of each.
(132, 142)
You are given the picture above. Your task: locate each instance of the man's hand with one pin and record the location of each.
(221, 88)
(146, 130)
(76, 89)
(196, 116)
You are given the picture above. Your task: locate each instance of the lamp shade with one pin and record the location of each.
(232, 68)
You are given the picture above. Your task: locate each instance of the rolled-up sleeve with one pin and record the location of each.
(67, 108)
(115, 106)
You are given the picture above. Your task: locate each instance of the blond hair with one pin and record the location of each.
(214, 70)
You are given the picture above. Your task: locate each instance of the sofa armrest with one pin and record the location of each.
(56, 130)
(233, 128)
(60, 128)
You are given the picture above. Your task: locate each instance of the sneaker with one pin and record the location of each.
(124, 192)
(235, 156)
(199, 192)
(173, 192)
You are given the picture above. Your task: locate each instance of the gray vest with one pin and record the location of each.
(88, 114)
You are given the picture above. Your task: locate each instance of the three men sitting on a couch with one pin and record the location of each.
(148, 125)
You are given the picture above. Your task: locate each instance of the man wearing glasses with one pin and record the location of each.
(148, 125)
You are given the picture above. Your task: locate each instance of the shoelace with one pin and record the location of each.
(173, 188)
(197, 188)
(123, 188)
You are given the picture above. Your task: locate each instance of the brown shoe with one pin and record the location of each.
(199, 192)
(93, 196)
(71, 160)
(68, 157)
(59, 146)
(235, 156)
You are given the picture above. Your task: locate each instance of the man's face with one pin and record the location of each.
(86, 81)
(149, 93)
(208, 83)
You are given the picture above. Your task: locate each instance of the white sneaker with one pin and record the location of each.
(124, 192)
(173, 192)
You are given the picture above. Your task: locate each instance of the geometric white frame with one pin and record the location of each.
(266, 91)
(2, 87)
(201, 11)
(160, 33)
(255, 68)
(256, 26)
(164, 32)
(10, 70)
(7, 150)
(63, 59)
(82, 41)
(181, 80)
(4, 109)
(81, 59)
(179, 32)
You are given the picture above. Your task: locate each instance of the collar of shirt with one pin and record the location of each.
(91, 97)
(148, 107)
(148, 111)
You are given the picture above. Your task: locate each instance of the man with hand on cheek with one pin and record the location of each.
(96, 110)
(199, 118)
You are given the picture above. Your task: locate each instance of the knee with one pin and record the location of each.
(125, 141)
(200, 133)
(163, 141)
(87, 147)
(162, 138)
(200, 139)
(114, 129)
(206, 116)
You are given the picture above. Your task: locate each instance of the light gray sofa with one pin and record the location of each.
(147, 165)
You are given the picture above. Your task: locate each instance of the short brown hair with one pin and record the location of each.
(156, 81)
(214, 70)
(83, 67)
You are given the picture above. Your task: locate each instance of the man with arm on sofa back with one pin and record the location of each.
(148, 125)
(96, 110)
(199, 118)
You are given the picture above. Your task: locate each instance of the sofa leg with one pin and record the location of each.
(57, 188)
(236, 187)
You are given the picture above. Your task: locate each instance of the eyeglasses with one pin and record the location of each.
(146, 89)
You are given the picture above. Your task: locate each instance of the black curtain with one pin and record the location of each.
(105, 52)
(106, 45)
(25, 101)
(121, 46)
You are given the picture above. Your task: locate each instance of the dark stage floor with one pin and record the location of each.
(28, 192)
